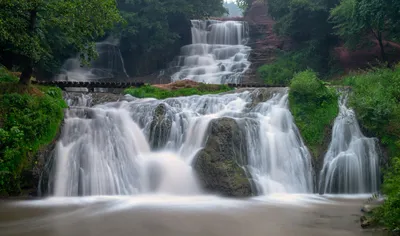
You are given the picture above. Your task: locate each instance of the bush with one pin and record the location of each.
(314, 107)
(283, 69)
(375, 98)
(389, 213)
(28, 121)
(148, 91)
(6, 76)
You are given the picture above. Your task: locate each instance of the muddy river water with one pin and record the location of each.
(185, 216)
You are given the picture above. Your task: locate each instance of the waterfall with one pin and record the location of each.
(139, 146)
(109, 64)
(217, 54)
(279, 160)
(351, 164)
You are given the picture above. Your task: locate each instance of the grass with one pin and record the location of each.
(148, 91)
(314, 107)
(30, 118)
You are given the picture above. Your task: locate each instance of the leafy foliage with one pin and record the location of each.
(27, 122)
(356, 20)
(314, 107)
(149, 91)
(305, 22)
(389, 213)
(375, 98)
(155, 30)
(35, 31)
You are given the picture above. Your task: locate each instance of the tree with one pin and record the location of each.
(36, 30)
(156, 30)
(355, 20)
(305, 22)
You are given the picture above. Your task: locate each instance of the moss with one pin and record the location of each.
(314, 107)
(148, 91)
(30, 118)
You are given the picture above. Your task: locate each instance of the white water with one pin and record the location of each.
(107, 149)
(351, 164)
(109, 64)
(279, 161)
(217, 54)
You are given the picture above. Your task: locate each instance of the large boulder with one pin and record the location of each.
(160, 127)
(219, 164)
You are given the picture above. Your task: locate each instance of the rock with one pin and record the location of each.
(263, 94)
(36, 175)
(160, 127)
(101, 98)
(365, 223)
(218, 165)
(367, 208)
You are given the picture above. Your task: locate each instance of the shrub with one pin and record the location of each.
(375, 98)
(283, 69)
(314, 107)
(28, 121)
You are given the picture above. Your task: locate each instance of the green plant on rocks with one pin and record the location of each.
(30, 118)
(314, 107)
(149, 91)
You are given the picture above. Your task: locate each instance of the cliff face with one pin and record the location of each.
(263, 41)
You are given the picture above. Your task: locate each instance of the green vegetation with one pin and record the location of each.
(30, 118)
(375, 98)
(357, 20)
(388, 214)
(37, 36)
(306, 24)
(314, 107)
(33, 33)
(287, 65)
(149, 91)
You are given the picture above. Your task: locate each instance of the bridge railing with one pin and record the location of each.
(122, 85)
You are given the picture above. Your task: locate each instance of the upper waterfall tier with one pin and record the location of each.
(217, 54)
(351, 164)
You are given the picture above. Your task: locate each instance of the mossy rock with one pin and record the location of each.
(219, 164)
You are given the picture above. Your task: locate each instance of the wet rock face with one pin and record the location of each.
(160, 127)
(218, 165)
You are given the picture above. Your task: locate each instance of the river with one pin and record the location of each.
(279, 215)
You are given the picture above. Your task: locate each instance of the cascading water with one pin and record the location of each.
(147, 145)
(279, 161)
(351, 164)
(217, 54)
(109, 64)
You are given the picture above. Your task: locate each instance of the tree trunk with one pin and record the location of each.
(27, 72)
(26, 75)
(383, 54)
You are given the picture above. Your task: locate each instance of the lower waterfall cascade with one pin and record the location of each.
(107, 149)
(351, 164)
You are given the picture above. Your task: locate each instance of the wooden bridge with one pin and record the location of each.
(122, 85)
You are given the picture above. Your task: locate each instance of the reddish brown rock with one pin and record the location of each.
(263, 40)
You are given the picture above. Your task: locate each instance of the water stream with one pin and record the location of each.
(217, 54)
(121, 148)
(351, 164)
